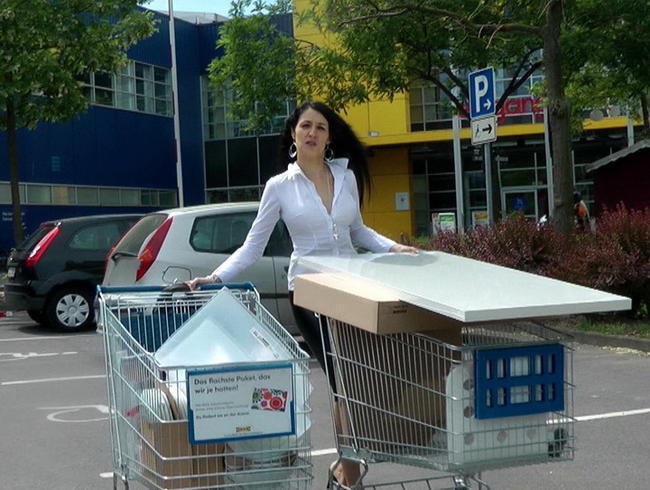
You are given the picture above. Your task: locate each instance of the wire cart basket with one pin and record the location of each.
(163, 424)
(496, 396)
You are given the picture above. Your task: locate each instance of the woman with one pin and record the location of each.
(318, 197)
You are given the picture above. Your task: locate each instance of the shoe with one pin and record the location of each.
(334, 479)
(337, 484)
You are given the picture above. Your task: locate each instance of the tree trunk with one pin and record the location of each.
(13, 173)
(646, 117)
(496, 190)
(558, 110)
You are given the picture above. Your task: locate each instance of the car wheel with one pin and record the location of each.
(38, 316)
(70, 309)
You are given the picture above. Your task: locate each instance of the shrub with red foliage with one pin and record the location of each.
(616, 256)
(514, 242)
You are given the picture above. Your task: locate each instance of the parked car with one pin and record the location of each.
(176, 245)
(55, 273)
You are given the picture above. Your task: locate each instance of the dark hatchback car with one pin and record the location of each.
(54, 274)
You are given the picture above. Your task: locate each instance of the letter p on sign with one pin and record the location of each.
(481, 93)
(480, 88)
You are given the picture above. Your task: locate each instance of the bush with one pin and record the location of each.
(614, 258)
(514, 242)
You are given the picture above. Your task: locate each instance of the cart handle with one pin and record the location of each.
(155, 289)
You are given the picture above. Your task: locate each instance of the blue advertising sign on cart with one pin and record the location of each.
(236, 403)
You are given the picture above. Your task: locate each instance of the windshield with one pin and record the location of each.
(135, 237)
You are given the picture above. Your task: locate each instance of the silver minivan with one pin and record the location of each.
(172, 246)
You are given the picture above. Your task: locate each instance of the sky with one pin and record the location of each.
(211, 6)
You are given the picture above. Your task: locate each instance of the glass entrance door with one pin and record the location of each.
(523, 201)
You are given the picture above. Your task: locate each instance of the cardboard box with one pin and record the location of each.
(170, 461)
(365, 304)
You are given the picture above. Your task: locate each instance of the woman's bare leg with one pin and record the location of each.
(347, 472)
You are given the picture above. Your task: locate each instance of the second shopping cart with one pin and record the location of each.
(206, 390)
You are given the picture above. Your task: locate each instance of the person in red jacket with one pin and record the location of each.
(581, 213)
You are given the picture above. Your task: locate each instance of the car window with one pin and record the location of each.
(95, 237)
(136, 236)
(220, 233)
(280, 242)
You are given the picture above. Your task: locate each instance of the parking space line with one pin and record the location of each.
(50, 380)
(19, 356)
(21, 339)
(609, 415)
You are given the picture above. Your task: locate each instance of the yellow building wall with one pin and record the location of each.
(373, 122)
(390, 173)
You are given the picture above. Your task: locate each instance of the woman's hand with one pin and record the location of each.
(398, 248)
(197, 281)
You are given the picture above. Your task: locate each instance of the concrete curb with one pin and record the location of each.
(603, 340)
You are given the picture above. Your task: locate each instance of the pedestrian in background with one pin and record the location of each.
(581, 213)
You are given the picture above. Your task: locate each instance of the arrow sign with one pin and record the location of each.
(487, 129)
(481, 93)
(484, 130)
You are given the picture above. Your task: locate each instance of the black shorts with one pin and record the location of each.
(314, 331)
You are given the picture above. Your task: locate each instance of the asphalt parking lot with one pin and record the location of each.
(55, 433)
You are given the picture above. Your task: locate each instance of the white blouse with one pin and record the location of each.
(293, 197)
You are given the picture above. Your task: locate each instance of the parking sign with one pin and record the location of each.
(481, 93)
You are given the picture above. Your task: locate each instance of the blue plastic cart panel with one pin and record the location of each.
(151, 330)
(518, 380)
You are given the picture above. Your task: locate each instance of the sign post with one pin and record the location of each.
(484, 122)
(482, 105)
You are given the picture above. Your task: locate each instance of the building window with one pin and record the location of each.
(109, 197)
(5, 192)
(167, 199)
(522, 107)
(431, 109)
(130, 197)
(216, 123)
(136, 87)
(70, 195)
(39, 194)
(63, 194)
(237, 162)
(87, 196)
(149, 198)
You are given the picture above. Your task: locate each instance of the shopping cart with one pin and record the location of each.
(165, 431)
(494, 396)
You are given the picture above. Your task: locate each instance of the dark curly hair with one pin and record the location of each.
(343, 142)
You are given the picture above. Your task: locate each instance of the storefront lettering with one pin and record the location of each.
(516, 106)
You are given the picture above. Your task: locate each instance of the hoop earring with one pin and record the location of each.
(293, 150)
(329, 156)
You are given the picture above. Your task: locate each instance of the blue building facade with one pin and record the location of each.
(119, 156)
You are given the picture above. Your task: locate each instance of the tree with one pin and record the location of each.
(616, 73)
(47, 46)
(381, 47)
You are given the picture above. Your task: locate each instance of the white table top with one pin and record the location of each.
(470, 290)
